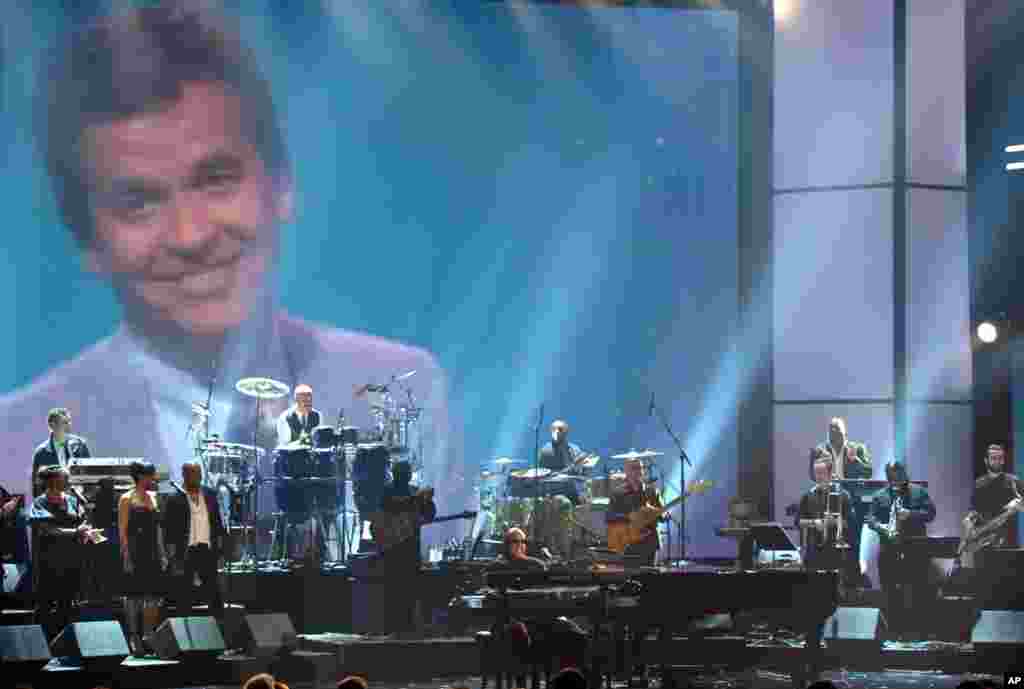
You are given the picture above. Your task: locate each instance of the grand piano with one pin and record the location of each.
(658, 597)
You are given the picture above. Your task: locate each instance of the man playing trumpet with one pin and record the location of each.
(824, 517)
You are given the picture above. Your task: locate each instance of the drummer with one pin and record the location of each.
(559, 454)
(298, 421)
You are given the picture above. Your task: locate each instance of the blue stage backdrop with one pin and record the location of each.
(543, 196)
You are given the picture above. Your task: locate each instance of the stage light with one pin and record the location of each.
(987, 332)
(1014, 148)
(1010, 167)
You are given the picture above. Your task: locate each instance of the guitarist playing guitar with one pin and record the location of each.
(635, 495)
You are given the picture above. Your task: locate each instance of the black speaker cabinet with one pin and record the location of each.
(92, 643)
(23, 648)
(862, 627)
(266, 635)
(189, 637)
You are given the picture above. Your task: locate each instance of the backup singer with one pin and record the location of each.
(558, 454)
(59, 529)
(903, 575)
(630, 498)
(298, 421)
(143, 558)
(195, 536)
(59, 449)
(819, 544)
(993, 493)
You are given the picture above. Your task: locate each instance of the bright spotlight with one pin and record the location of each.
(987, 332)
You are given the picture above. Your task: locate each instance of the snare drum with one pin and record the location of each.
(603, 487)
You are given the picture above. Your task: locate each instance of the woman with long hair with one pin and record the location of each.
(142, 556)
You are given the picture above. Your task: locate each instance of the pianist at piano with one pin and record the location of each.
(58, 449)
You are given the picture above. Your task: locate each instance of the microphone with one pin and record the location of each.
(650, 407)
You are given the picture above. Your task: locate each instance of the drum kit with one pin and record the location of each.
(318, 477)
(565, 511)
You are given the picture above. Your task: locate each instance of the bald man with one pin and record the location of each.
(558, 454)
(298, 420)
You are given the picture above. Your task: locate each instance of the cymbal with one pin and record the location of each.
(263, 388)
(501, 461)
(293, 445)
(633, 454)
(405, 376)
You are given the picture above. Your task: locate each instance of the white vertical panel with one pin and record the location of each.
(833, 300)
(833, 93)
(938, 296)
(939, 451)
(936, 92)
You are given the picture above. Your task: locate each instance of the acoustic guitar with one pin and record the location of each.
(626, 533)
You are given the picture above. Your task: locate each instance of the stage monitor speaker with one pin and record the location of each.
(267, 635)
(998, 629)
(189, 637)
(23, 647)
(861, 626)
(92, 643)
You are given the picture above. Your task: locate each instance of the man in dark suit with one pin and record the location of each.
(59, 449)
(903, 576)
(194, 537)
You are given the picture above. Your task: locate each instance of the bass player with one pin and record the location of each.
(996, 499)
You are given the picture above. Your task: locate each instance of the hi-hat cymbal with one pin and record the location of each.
(264, 388)
(405, 376)
(633, 454)
(501, 461)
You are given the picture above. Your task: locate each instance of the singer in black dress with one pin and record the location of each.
(142, 555)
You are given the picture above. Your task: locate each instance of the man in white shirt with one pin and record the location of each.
(298, 421)
(194, 536)
(175, 180)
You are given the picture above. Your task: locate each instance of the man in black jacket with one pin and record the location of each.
(194, 537)
(903, 575)
(57, 450)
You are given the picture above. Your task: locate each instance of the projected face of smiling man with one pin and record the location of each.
(185, 213)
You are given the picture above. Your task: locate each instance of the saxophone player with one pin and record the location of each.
(898, 512)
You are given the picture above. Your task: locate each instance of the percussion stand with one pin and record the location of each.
(536, 466)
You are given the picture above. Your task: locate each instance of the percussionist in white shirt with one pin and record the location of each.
(298, 421)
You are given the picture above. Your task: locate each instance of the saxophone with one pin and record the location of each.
(892, 529)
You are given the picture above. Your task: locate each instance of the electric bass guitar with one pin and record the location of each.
(640, 521)
(975, 538)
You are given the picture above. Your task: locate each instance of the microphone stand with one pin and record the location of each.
(683, 461)
(536, 466)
